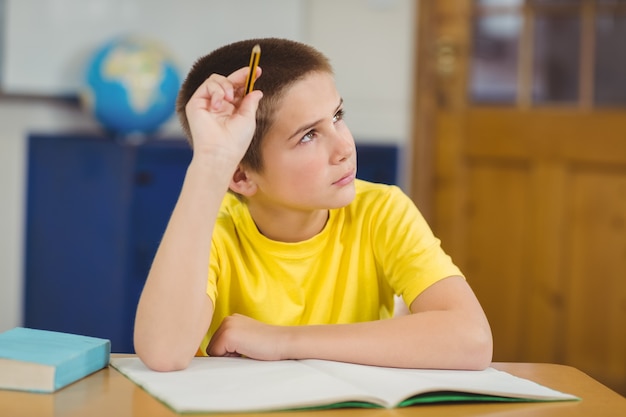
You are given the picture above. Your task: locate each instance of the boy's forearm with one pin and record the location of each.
(447, 330)
(174, 310)
(433, 339)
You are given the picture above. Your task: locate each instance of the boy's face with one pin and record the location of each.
(309, 155)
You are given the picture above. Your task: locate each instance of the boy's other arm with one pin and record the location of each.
(174, 310)
(174, 307)
(447, 329)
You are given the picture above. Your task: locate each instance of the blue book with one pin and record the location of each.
(45, 361)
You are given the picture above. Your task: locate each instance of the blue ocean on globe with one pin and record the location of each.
(131, 86)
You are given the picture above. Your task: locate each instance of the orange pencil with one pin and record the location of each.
(254, 63)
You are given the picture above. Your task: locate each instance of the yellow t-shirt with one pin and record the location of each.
(377, 246)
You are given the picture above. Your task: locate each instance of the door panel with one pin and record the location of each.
(528, 179)
(595, 331)
(497, 227)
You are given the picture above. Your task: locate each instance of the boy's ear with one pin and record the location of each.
(241, 183)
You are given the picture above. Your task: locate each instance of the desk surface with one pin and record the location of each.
(109, 393)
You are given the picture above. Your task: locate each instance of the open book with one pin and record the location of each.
(246, 385)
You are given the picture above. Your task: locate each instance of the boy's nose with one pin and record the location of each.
(343, 148)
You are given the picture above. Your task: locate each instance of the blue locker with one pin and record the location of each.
(96, 210)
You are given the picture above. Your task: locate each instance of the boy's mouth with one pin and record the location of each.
(346, 178)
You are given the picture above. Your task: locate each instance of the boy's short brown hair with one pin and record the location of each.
(283, 61)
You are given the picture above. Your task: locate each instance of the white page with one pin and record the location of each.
(238, 384)
(396, 384)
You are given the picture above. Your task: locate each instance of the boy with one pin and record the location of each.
(300, 259)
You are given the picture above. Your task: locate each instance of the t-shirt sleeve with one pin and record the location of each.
(409, 254)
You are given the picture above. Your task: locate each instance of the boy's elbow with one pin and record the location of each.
(161, 359)
(163, 363)
(479, 349)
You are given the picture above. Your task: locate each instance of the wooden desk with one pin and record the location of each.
(108, 393)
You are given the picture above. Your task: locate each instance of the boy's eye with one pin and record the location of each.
(311, 134)
(339, 116)
(308, 136)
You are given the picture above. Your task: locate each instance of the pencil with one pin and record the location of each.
(254, 63)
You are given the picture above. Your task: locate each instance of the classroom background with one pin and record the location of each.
(505, 120)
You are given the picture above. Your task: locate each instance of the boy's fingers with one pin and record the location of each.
(215, 85)
(239, 78)
(217, 89)
(215, 82)
(250, 103)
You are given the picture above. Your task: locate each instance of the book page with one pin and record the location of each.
(243, 385)
(20, 375)
(395, 384)
(238, 384)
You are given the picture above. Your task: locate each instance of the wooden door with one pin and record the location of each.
(520, 167)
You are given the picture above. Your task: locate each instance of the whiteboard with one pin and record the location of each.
(48, 43)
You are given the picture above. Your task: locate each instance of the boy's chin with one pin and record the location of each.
(346, 197)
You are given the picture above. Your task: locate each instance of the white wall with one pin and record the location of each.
(48, 42)
(369, 43)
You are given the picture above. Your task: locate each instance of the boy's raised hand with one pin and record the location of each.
(221, 118)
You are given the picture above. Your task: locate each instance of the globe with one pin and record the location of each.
(131, 86)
